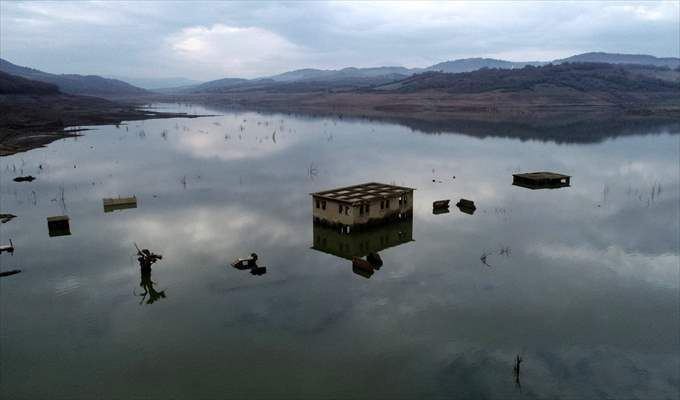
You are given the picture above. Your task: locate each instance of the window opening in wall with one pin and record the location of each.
(323, 204)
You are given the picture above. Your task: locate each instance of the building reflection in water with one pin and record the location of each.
(366, 243)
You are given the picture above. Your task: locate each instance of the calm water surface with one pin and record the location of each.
(581, 282)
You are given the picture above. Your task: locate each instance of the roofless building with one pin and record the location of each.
(362, 205)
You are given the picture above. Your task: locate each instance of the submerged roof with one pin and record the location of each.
(542, 175)
(364, 192)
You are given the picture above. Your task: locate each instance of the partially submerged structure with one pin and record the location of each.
(58, 225)
(10, 273)
(362, 205)
(6, 217)
(440, 207)
(119, 203)
(466, 206)
(7, 247)
(541, 180)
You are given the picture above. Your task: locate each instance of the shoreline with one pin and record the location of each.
(28, 122)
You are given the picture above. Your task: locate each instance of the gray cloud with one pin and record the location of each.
(213, 40)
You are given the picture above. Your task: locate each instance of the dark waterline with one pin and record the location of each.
(582, 282)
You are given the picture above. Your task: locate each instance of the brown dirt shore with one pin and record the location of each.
(30, 121)
(555, 114)
(437, 105)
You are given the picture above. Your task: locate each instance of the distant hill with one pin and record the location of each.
(351, 78)
(325, 75)
(157, 83)
(74, 84)
(12, 84)
(216, 85)
(473, 64)
(584, 77)
(302, 81)
(613, 58)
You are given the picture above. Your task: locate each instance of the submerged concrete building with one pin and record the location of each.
(362, 205)
(541, 180)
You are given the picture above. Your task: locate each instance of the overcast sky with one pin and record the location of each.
(215, 40)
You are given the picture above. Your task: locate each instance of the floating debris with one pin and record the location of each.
(483, 259)
(58, 225)
(362, 267)
(6, 217)
(11, 272)
(541, 180)
(466, 206)
(7, 247)
(245, 263)
(440, 206)
(28, 178)
(251, 264)
(120, 203)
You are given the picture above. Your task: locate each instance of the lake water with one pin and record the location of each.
(582, 282)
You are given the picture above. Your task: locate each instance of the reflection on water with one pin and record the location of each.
(360, 243)
(367, 243)
(146, 259)
(582, 282)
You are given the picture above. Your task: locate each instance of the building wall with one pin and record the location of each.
(331, 214)
(376, 212)
(354, 216)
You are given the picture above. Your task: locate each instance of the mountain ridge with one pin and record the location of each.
(92, 85)
(350, 76)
